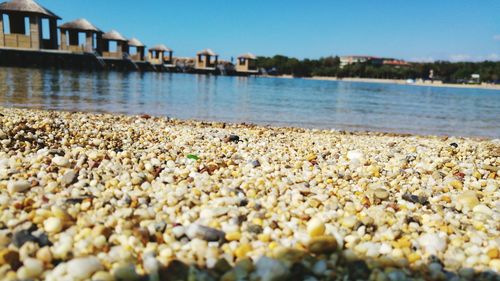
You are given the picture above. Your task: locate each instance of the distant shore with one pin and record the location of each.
(401, 82)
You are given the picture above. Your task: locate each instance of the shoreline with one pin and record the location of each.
(403, 82)
(124, 196)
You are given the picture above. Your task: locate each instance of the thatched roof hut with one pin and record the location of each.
(246, 64)
(157, 56)
(113, 35)
(80, 25)
(27, 34)
(72, 29)
(138, 55)
(26, 6)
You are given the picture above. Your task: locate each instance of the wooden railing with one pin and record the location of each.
(76, 49)
(116, 55)
(17, 41)
(203, 64)
(135, 57)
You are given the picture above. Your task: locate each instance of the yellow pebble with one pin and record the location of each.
(273, 245)
(456, 184)
(257, 221)
(315, 227)
(314, 203)
(413, 257)
(242, 250)
(477, 175)
(494, 253)
(233, 236)
(449, 165)
(264, 237)
(403, 242)
(446, 198)
(329, 181)
(311, 157)
(214, 224)
(251, 193)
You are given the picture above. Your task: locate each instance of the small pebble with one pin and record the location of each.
(60, 161)
(83, 268)
(18, 186)
(323, 245)
(53, 225)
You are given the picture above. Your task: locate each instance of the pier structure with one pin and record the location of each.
(26, 19)
(245, 64)
(161, 57)
(113, 45)
(204, 62)
(29, 38)
(135, 49)
(70, 36)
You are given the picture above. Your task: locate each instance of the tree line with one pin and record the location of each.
(451, 72)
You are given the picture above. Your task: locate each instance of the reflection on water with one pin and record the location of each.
(294, 102)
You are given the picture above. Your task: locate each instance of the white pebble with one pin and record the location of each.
(60, 161)
(52, 225)
(18, 186)
(32, 268)
(83, 268)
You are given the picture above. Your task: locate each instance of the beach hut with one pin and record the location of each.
(138, 53)
(156, 55)
(113, 44)
(70, 36)
(204, 60)
(246, 64)
(27, 20)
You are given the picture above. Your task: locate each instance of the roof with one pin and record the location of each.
(80, 24)
(247, 56)
(160, 48)
(135, 43)
(207, 52)
(113, 35)
(359, 57)
(26, 6)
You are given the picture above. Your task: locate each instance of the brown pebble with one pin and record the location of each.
(11, 257)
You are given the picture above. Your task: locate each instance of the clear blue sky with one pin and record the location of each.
(413, 30)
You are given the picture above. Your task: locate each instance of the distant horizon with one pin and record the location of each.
(451, 30)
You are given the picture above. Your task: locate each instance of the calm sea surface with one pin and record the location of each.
(266, 101)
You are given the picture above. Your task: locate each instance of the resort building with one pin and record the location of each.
(246, 64)
(26, 21)
(135, 49)
(377, 61)
(204, 60)
(395, 62)
(157, 56)
(348, 60)
(80, 36)
(113, 44)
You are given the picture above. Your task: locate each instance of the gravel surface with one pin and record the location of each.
(109, 197)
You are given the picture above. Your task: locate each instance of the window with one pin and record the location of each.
(113, 46)
(45, 29)
(27, 26)
(6, 24)
(82, 40)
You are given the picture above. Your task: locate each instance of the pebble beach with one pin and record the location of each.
(87, 196)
